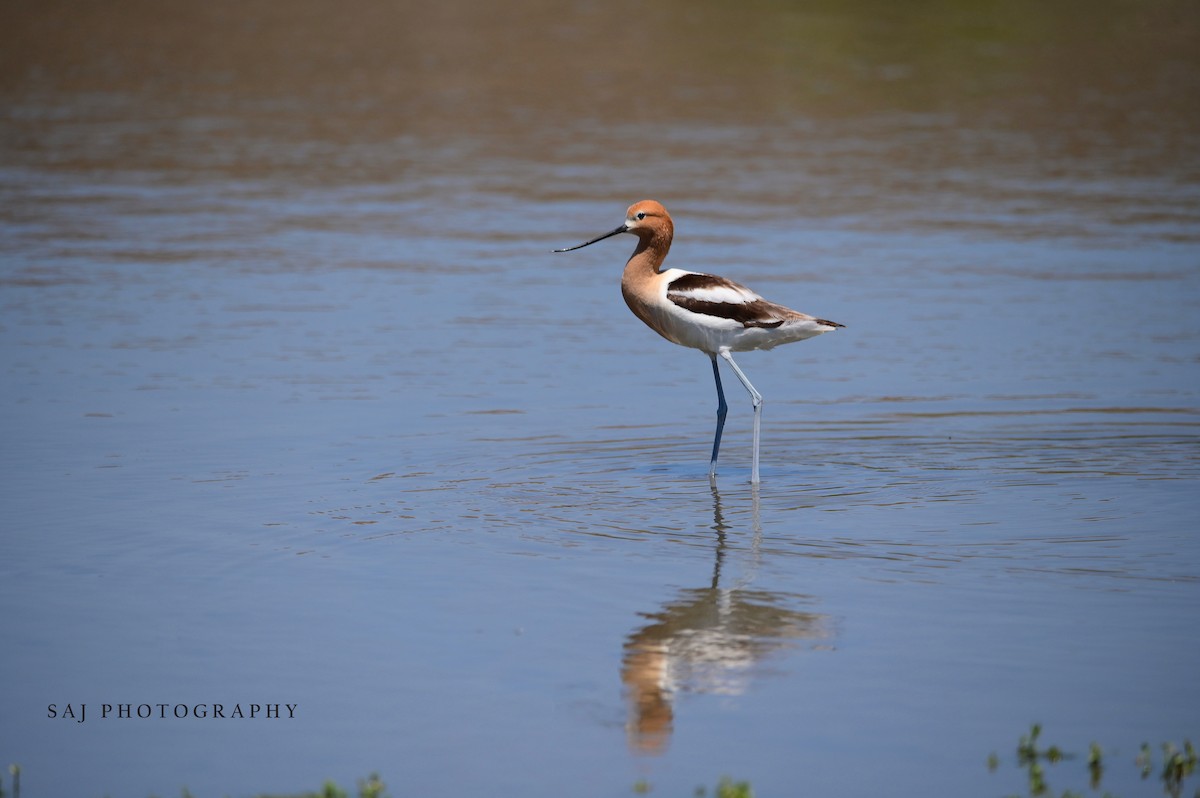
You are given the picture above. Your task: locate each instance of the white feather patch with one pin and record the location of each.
(695, 287)
(721, 293)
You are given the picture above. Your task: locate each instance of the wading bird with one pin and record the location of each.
(702, 311)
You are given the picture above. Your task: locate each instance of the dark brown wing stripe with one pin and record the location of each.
(748, 314)
(698, 282)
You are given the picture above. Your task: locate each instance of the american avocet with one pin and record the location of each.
(702, 311)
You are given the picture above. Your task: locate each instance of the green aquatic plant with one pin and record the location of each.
(15, 772)
(331, 790)
(1095, 766)
(370, 787)
(728, 788)
(1179, 762)
(1030, 757)
(1145, 760)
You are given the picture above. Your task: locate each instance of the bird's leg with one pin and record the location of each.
(756, 399)
(722, 409)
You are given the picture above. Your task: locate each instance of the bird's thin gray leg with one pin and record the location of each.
(722, 409)
(756, 399)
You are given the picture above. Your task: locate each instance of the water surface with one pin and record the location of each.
(298, 407)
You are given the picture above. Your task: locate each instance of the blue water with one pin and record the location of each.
(279, 428)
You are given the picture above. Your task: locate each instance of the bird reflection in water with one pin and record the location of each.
(708, 640)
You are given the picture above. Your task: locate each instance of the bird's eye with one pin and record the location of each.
(641, 215)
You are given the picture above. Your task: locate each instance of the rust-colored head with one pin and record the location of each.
(648, 220)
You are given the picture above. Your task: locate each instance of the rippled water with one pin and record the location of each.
(298, 406)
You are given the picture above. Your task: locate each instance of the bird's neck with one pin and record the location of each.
(648, 258)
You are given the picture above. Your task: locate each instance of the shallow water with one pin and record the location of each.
(298, 407)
